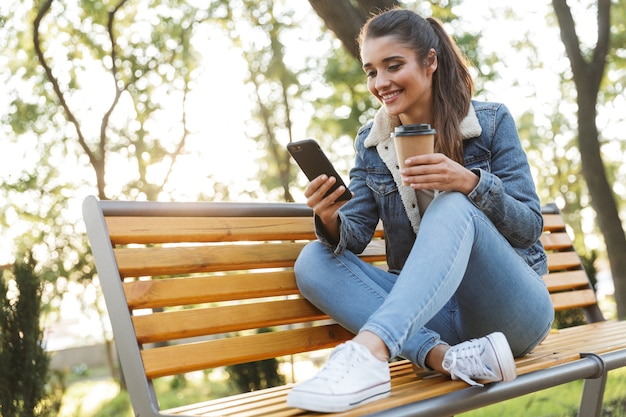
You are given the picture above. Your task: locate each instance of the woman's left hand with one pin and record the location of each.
(438, 172)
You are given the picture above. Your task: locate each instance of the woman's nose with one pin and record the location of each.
(382, 82)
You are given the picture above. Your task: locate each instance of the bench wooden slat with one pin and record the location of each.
(150, 261)
(566, 280)
(567, 344)
(573, 299)
(165, 326)
(176, 359)
(553, 222)
(167, 292)
(149, 230)
(556, 241)
(563, 260)
(271, 400)
(125, 230)
(592, 337)
(137, 262)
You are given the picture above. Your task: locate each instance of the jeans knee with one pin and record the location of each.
(306, 267)
(451, 206)
(525, 349)
(453, 200)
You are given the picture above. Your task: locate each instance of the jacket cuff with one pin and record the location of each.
(484, 190)
(322, 236)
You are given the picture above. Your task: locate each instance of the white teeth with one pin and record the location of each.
(388, 96)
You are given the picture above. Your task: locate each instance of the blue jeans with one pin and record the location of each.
(462, 280)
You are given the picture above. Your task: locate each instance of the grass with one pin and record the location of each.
(100, 397)
(85, 398)
(560, 401)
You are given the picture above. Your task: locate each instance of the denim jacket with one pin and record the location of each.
(505, 190)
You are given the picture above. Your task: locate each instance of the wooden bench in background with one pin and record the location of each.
(188, 286)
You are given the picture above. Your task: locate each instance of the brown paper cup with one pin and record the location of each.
(412, 140)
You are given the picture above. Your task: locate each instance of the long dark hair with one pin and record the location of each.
(452, 84)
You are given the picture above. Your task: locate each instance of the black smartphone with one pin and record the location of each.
(314, 162)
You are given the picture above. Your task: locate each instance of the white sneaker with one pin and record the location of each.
(488, 359)
(352, 377)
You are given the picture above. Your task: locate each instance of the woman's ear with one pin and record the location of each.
(431, 61)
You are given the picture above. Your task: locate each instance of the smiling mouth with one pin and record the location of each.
(389, 96)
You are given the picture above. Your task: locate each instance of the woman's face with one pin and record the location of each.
(397, 80)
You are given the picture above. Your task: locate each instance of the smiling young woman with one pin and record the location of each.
(463, 294)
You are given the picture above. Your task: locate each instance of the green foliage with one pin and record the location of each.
(137, 56)
(550, 142)
(346, 104)
(612, 101)
(467, 37)
(281, 83)
(255, 375)
(26, 387)
(569, 318)
(117, 407)
(549, 134)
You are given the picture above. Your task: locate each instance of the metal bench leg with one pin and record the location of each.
(593, 389)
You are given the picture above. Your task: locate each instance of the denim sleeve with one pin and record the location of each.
(359, 216)
(506, 192)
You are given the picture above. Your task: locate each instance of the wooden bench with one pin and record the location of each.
(188, 286)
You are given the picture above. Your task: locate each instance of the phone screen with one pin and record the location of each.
(314, 162)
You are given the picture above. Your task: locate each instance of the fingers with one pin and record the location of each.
(325, 206)
(426, 159)
(322, 182)
(317, 189)
(422, 169)
(433, 172)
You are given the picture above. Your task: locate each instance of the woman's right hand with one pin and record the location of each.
(325, 207)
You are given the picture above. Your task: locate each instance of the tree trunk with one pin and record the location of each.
(587, 78)
(345, 20)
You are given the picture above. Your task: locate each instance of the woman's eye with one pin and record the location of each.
(370, 74)
(394, 67)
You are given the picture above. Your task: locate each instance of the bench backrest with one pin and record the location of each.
(194, 286)
(567, 279)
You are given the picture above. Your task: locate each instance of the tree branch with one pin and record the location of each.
(118, 90)
(585, 73)
(569, 37)
(345, 20)
(45, 8)
(604, 39)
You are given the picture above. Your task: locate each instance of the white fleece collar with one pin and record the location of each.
(381, 136)
(384, 125)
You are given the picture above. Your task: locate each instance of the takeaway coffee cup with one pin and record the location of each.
(412, 140)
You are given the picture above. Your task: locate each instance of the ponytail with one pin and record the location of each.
(453, 89)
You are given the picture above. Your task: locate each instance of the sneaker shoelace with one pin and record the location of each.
(465, 363)
(341, 360)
